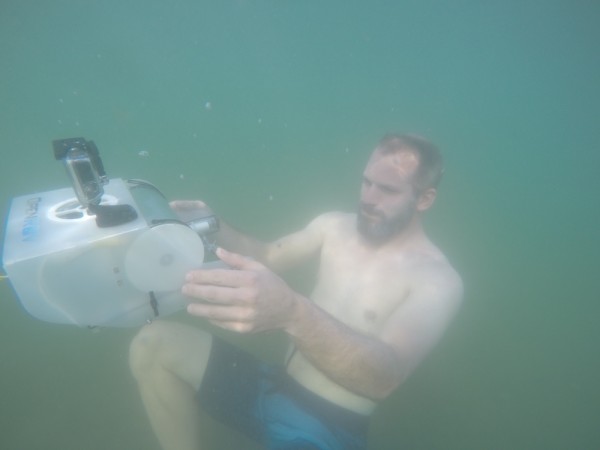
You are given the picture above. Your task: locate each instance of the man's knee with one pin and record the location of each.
(144, 348)
(178, 348)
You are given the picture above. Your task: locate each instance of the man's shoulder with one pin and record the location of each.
(333, 216)
(446, 273)
(434, 271)
(333, 221)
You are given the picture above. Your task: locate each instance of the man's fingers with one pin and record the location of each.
(221, 295)
(219, 277)
(188, 210)
(237, 327)
(185, 205)
(237, 261)
(223, 314)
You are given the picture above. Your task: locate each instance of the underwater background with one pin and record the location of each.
(267, 110)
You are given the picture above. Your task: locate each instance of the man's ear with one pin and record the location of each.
(426, 199)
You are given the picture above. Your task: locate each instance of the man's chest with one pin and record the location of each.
(358, 289)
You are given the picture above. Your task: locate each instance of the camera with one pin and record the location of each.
(86, 171)
(84, 166)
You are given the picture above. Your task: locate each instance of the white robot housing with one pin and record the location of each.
(117, 258)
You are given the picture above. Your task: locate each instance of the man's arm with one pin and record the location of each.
(252, 298)
(278, 255)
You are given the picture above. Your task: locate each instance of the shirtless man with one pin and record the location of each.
(384, 295)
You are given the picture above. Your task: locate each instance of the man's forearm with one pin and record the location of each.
(362, 364)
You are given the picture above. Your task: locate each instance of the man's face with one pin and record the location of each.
(388, 200)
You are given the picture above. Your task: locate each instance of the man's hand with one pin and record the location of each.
(246, 298)
(188, 210)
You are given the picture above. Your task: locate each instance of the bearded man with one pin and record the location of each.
(383, 297)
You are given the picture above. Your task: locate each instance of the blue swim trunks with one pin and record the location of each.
(269, 406)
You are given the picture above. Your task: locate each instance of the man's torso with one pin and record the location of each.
(361, 288)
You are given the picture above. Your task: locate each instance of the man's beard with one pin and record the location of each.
(385, 228)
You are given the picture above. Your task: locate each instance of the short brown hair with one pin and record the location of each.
(431, 167)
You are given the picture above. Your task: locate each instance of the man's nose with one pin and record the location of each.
(369, 195)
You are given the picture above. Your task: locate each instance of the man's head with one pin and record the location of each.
(399, 181)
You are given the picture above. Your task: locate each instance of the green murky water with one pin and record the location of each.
(299, 91)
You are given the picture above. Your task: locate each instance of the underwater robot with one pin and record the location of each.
(104, 252)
